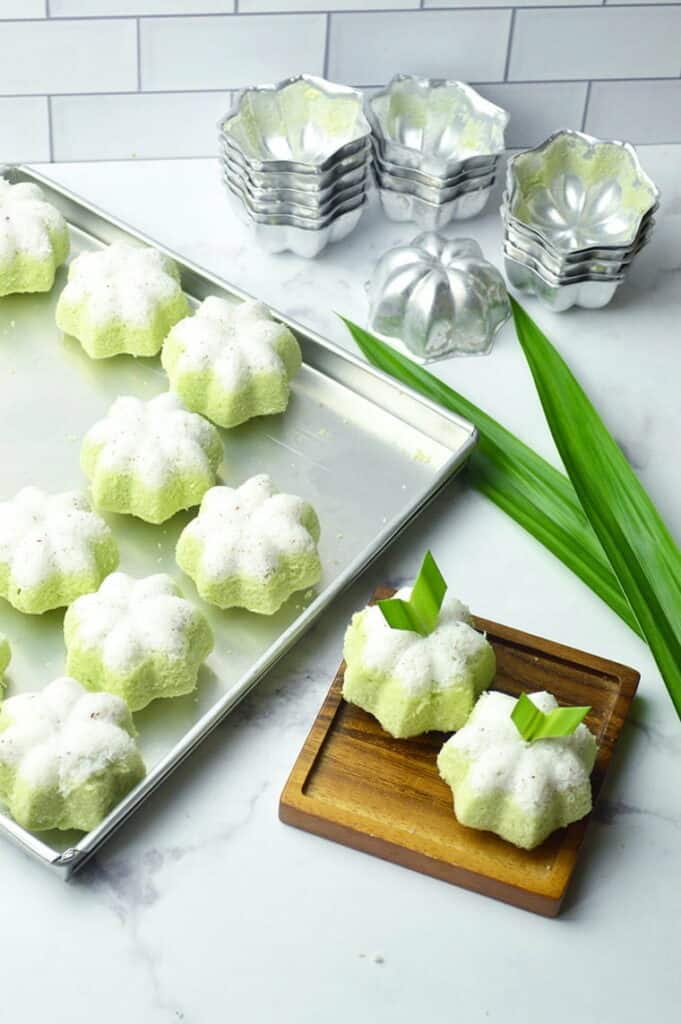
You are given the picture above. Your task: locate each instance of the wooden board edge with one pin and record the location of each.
(300, 811)
(304, 818)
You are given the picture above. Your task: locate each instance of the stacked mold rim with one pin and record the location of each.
(295, 161)
(436, 144)
(576, 211)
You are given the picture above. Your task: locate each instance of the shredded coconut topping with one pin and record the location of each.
(233, 341)
(26, 218)
(245, 531)
(62, 735)
(43, 535)
(502, 760)
(434, 662)
(153, 440)
(122, 282)
(129, 620)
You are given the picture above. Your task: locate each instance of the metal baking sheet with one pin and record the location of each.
(368, 453)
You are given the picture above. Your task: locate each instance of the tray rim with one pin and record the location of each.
(301, 811)
(344, 368)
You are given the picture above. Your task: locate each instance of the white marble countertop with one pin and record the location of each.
(205, 908)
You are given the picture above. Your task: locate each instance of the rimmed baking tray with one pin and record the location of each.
(367, 452)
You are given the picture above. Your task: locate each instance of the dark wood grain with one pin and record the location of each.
(355, 784)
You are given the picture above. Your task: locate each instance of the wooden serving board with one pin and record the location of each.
(355, 784)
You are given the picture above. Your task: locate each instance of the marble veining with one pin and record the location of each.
(204, 907)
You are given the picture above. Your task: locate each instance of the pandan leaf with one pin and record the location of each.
(642, 552)
(420, 613)
(533, 724)
(526, 486)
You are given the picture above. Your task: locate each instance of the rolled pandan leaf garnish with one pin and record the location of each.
(533, 724)
(421, 612)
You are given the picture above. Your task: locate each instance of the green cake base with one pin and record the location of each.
(25, 273)
(292, 574)
(83, 807)
(401, 713)
(158, 676)
(494, 811)
(117, 337)
(265, 394)
(5, 658)
(126, 494)
(60, 589)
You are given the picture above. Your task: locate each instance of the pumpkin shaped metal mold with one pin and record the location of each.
(438, 297)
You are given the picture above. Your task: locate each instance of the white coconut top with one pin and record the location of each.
(121, 282)
(42, 535)
(62, 735)
(153, 440)
(244, 531)
(129, 620)
(26, 218)
(434, 662)
(500, 759)
(234, 341)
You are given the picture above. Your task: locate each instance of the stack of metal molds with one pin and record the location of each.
(576, 211)
(295, 160)
(436, 145)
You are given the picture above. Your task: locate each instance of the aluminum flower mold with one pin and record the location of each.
(577, 192)
(53, 548)
(34, 239)
(66, 756)
(574, 215)
(150, 459)
(251, 547)
(436, 126)
(301, 124)
(137, 638)
(438, 295)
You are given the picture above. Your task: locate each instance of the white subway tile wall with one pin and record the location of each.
(129, 79)
(24, 127)
(226, 52)
(23, 8)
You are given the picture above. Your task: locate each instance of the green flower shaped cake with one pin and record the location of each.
(231, 362)
(34, 239)
(150, 459)
(413, 683)
(523, 791)
(251, 547)
(5, 657)
(121, 299)
(53, 548)
(67, 757)
(136, 638)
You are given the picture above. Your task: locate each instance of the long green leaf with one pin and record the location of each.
(509, 473)
(644, 555)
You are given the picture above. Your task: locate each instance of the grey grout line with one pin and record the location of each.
(509, 45)
(509, 6)
(50, 136)
(586, 105)
(327, 47)
(47, 9)
(359, 9)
